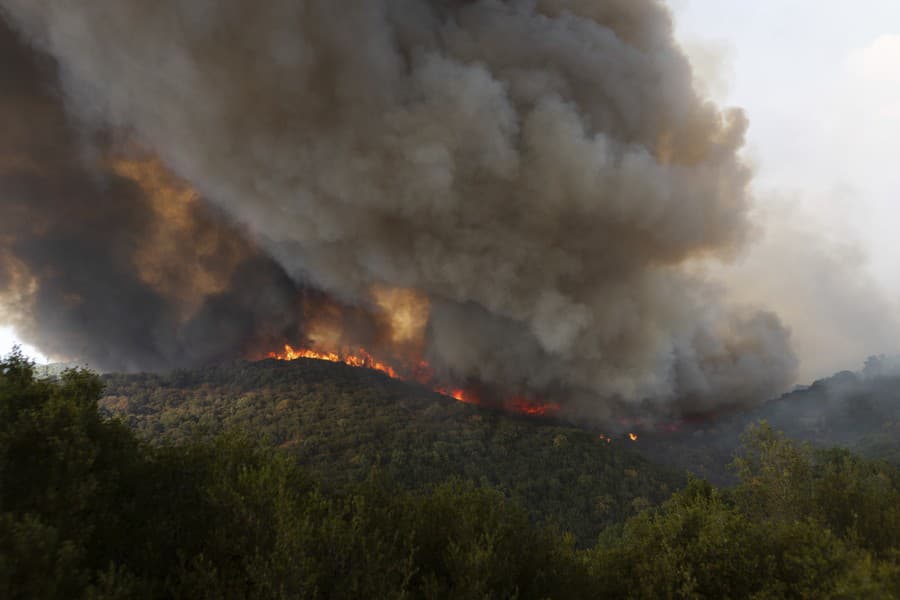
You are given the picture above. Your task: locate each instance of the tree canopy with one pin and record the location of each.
(88, 510)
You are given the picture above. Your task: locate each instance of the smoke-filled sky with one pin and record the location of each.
(820, 81)
(539, 197)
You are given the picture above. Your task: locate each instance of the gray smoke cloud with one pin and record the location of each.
(97, 267)
(543, 171)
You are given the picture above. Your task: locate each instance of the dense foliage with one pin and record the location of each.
(89, 511)
(860, 411)
(800, 524)
(341, 422)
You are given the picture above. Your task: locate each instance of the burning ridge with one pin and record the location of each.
(423, 374)
(516, 193)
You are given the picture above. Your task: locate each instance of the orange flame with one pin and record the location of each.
(360, 359)
(459, 394)
(421, 373)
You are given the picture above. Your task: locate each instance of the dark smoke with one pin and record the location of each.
(543, 172)
(75, 236)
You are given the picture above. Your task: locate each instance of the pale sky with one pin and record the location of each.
(8, 339)
(820, 81)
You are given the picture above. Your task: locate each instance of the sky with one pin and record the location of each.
(820, 81)
(8, 339)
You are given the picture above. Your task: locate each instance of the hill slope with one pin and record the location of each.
(341, 422)
(860, 411)
(86, 511)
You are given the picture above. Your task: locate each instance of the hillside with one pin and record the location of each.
(88, 511)
(860, 411)
(342, 422)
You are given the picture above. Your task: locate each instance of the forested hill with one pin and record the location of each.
(343, 423)
(860, 411)
(88, 511)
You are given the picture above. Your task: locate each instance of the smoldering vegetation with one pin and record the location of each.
(542, 174)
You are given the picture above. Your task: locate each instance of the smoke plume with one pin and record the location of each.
(539, 175)
(107, 258)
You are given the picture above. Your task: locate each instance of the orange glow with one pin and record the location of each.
(360, 359)
(459, 394)
(633, 437)
(160, 262)
(534, 409)
(420, 372)
(406, 311)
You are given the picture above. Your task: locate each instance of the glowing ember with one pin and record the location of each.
(633, 437)
(421, 373)
(534, 409)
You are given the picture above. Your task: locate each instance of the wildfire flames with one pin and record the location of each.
(421, 373)
(605, 438)
(360, 359)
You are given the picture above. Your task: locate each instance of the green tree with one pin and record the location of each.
(775, 475)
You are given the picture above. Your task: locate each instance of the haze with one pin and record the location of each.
(820, 82)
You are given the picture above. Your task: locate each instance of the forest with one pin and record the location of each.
(94, 505)
(341, 422)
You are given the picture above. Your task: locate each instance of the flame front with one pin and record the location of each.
(421, 373)
(360, 359)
